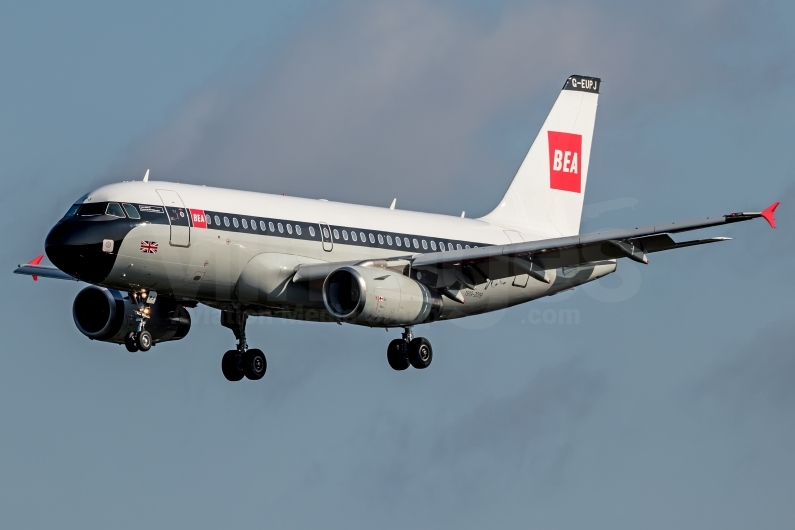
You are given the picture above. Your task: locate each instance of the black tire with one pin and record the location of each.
(130, 343)
(230, 367)
(396, 356)
(420, 353)
(254, 364)
(144, 340)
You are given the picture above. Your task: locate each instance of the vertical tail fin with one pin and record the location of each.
(546, 195)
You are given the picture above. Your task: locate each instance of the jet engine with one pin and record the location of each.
(108, 315)
(379, 297)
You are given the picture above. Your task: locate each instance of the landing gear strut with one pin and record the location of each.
(409, 350)
(243, 361)
(141, 339)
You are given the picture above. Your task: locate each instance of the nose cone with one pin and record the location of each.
(74, 245)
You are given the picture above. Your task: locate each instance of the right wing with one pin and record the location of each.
(35, 269)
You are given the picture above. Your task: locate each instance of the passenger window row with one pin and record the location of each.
(337, 234)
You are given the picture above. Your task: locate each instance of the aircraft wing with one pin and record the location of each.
(36, 269)
(470, 267)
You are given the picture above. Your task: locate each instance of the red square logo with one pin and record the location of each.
(198, 219)
(565, 159)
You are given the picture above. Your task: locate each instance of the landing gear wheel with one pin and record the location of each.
(144, 340)
(254, 364)
(230, 367)
(130, 343)
(396, 356)
(420, 353)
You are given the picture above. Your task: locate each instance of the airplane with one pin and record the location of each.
(150, 250)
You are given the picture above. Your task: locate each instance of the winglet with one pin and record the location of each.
(768, 214)
(36, 261)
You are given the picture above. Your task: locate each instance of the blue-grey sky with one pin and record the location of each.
(660, 397)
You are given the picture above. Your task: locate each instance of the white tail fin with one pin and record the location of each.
(546, 195)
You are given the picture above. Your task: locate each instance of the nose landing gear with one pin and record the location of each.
(242, 362)
(140, 340)
(409, 350)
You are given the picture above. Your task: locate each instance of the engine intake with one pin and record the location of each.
(108, 315)
(379, 297)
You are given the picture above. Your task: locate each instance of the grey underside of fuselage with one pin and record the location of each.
(211, 269)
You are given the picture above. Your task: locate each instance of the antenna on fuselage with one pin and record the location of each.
(146, 176)
(462, 215)
(394, 201)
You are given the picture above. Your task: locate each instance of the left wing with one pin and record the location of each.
(470, 267)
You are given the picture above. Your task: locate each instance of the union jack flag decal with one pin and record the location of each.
(149, 247)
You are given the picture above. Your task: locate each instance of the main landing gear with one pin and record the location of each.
(140, 340)
(242, 362)
(408, 350)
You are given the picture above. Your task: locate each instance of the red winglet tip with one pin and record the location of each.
(36, 260)
(768, 214)
(35, 278)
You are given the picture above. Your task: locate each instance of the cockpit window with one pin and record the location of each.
(132, 213)
(72, 210)
(114, 209)
(92, 208)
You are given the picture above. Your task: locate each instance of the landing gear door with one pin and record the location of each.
(178, 217)
(325, 235)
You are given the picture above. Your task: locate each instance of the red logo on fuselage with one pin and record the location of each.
(565, 159)
(198, 219)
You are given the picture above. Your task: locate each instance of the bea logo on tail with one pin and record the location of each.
(565, 158)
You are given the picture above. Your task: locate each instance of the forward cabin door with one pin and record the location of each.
(325, 235)
(178, 217)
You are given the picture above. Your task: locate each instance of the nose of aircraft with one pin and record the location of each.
(75, 245)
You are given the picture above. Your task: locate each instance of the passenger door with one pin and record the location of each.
(178, 217)
(325, 235)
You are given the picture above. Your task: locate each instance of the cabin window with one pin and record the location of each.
(226, 221)
(364, 238)
(209, 220)
(312, 231)
(245, 223)
(380, 239)
(441, 246)
(397, 241)
(424, 245)
(280, 227)
(298, 229)
(132, 213)
(325, 233)
(114, 209)
(372, 239)
(336, 235)
(290, 229)
(416, 243)
(263, 226)
(449, 246)
(234, 221)
(406, 241)
(458, 246)
(388, 240)
(353, 235)
(433, 245)
(345, 235)
(466, 246)
(217, 220)
(253, 224)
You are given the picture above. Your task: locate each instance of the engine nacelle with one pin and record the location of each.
(108, 315)
(379, 297)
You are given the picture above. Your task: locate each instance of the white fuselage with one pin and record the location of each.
(204, 261)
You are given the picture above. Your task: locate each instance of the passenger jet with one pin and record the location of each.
(150, 250)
